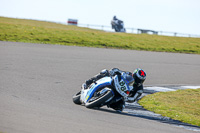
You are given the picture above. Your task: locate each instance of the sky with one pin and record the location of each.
(182, 16)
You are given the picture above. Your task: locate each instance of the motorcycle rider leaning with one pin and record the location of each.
(138, 77)
(117, 25)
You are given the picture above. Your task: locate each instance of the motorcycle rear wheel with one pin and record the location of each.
(76, 98)
(99, 100)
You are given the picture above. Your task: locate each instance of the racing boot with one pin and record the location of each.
(118, 106)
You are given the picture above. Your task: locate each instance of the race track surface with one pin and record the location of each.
(37, 82)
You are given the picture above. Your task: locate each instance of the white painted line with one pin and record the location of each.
(190, 87)
(159, 89)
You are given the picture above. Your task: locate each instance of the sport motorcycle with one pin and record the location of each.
(105, 91)
(118, 26)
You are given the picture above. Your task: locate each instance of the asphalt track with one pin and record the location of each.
(37, 82)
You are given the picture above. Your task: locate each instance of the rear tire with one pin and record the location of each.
(76, 98)
(98, 102)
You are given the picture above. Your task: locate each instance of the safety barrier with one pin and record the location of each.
(139, 31)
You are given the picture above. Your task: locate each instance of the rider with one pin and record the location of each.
(114, 22)
(138, 76)
(117, 24)
(115, 18)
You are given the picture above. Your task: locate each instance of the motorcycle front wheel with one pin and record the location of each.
(98, 101)
(76, 98)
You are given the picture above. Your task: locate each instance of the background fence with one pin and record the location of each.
(137, 31)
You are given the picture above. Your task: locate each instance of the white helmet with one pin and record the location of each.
(139, 75)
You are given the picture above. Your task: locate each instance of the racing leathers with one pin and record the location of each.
(135, 92)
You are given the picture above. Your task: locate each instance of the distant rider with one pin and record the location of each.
(118, 25)
(115, 19)
(114, 22)
(137, 78)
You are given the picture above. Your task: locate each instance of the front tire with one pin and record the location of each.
(76, 98)
(99, 100)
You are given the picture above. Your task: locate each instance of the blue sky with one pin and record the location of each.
(162, 15)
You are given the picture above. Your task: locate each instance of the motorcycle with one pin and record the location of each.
(118, 25)
(105, 91)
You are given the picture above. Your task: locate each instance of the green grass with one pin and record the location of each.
(182, 105)
(20, 30)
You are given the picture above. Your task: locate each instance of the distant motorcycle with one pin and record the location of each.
(118, 25)
(105, 91)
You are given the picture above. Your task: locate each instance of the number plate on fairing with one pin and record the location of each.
(121, 87)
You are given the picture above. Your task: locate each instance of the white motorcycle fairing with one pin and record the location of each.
(86, 94)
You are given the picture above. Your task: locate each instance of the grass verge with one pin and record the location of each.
(182, 105)
(21, 30)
